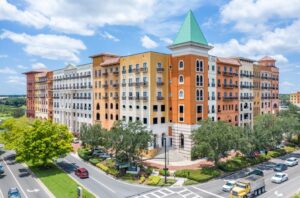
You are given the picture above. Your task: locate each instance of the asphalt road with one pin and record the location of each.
(99, 183)
(28, 186)
(106, 187)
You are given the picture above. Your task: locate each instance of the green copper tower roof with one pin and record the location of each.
(190, 31)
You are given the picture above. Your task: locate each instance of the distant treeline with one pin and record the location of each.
(13, 101)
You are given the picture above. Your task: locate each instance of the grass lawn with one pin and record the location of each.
(199, 175)
(59, 183)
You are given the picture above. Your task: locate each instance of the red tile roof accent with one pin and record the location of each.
(110, 61)
(230, 61)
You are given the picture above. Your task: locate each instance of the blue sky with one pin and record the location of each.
(50, 34)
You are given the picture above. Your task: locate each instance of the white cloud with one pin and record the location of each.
(7, 70)
(287, 84)
(20, 80)
(37, 66)
(3, 55)
(107, 35)
(22, 67)
(85, 17)
(167, 40)
(148, 43)
(52, 47)
(254, 15)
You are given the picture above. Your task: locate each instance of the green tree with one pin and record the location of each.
(37, 141)
(215, 139)
(18, 112)
(93, 135)
(128, 140)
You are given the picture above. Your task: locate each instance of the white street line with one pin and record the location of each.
(108, 188)
(15, 179)
(1, 194)
(197, 188)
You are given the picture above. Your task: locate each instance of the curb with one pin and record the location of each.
(40, 182)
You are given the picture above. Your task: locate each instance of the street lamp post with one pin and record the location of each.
(165, 169)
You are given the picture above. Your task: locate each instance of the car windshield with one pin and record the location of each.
(229, 183)
(291, 160)
(278, 165)
(279, 175)
(241, 185)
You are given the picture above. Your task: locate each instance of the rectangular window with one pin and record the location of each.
(154, 120)
(145, 120)
(181, 109)
(162, 108)
(199, 109)
(163, 120)
(155, 108)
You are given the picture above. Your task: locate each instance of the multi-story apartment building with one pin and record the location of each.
(256, 90)
(189, 83)
(72, 96)
(212, 88)
(106, 89)
(169, 93)
(43, 95)
(246, 92)
(295, 98)
(145, 92)
(30, 93)
(269, 85)
(228, 90)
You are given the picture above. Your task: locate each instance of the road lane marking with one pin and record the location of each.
(1, 194)
(34, 190)
(108, 188)
(15, 178)
(207, 192)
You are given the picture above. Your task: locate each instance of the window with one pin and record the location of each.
(199, 94)
(154, 120)
(98, 106)
(117, 117)
(145, 107)
(181, 94)
(111, 116)
(199, 66)
(111, 106)
(145, 120)
(181, 109)
(199, 109)
(162, 120)
(181, 141)
(181, 79)
(130, 119)
(155, 108)
(199, 80)
(180, 65)
(98, 116)
(162, 108)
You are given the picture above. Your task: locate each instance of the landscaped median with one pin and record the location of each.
(58, 182)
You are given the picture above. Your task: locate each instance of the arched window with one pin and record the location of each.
(199, 66)
(180, 65)
(199, 80)
(98, 116)
(181, 141)
(181, 94)
(181, 79)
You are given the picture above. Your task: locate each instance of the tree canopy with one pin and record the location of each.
(93, 135)
(37, 141)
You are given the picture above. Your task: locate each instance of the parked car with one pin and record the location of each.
(103, 155)
(1, 169)
(82, 173)
(24, 172)
(280, 167)
(279, 178)
(255, 172)
(292, 161)
(227, 187)
(97, 152)
(14, 193)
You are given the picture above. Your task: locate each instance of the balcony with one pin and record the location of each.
(130, 97)
(144, 69)
(159, 69)
(123, 71)
(116, 85)
(246, 97)
(229, 86)
(105, 86)
(123, 84)
(265, 87)
(159, 83)
(136, 84)
(246, 87)
(105, 74)
(145, 98)
(123, 97)
(116, 72)
(137, 98)
(116, 97)
(230, 98)
(144, 83)
(105, 97)
(136, 70)
(266, 97)
(130, 84)
(229, 74)
(159, 97)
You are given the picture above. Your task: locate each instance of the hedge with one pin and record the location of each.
(111, 171)
(162, 172)
(95, 161)
(153, 180)
(102, 167)
(84, 154)
(199, 175)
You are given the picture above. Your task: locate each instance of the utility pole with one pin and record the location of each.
(165, 169)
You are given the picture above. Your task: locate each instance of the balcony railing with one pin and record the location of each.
(159, 97)
(116, 85)
(104, 97)
(145, 98)
(159, 83)
(105, 86)
(225, 73)
(230, 86)
(159, 69)
(144, 69)
(230, 98)
(116, 72)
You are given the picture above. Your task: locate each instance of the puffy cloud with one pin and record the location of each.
(109, 36)
(37, 66)
(7, 70)
(254, 15)
(53, 47)
(287, 84)
(85, 17)
(20, 80)
(167, 40)
(22, 67)
(148, 43)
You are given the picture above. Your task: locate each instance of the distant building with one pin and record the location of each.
(295, 98)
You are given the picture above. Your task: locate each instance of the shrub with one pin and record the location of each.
(276, 153)
(289, 149)
(148, 171)
(234, 164)
(113, 171)
(199, 175)
(102, 167)
(95, 161)
(162, 172)
(110, 163)
(142, 179)
(153, 180)
(84, 154)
